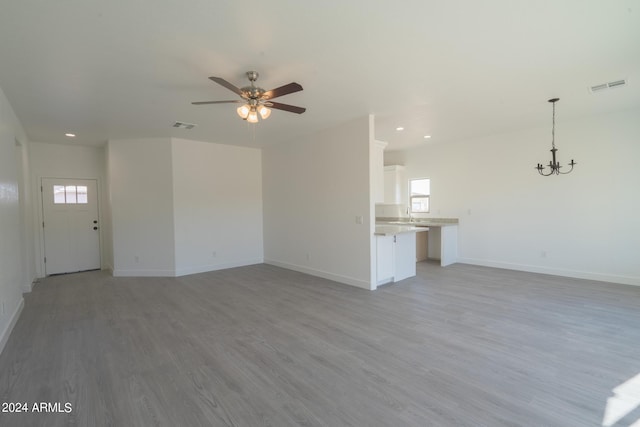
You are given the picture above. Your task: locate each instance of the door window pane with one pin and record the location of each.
(71, 193)
(81, 191)
(58, 194)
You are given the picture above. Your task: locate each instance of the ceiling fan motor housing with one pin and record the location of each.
(252, 92)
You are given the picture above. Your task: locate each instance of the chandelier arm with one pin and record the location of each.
(541, 169)
(572, 164)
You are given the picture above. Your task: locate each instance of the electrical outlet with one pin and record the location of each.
(308, 257)
(359, 219)
(214, 254)
(543, 254)
(136, 259)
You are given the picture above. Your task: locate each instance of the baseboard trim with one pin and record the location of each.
(213, 267)
(12, 322)
(187, 270)
(625, 280)
(144, 273)
(320, 273)
(28, 287)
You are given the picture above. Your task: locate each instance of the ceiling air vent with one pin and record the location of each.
(183, 125)
(607, 86)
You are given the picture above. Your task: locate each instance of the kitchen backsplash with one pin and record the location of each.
(391, 211)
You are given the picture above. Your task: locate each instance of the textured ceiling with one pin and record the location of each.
(450, 69)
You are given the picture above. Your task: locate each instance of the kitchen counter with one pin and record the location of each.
(420, 222)
(395, 229)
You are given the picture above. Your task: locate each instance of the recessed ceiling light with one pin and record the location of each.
(70, 135)
(399, 128)
(427, 136)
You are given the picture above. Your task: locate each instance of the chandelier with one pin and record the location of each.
(554, 165)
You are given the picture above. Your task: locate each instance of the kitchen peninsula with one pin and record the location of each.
(396, 245)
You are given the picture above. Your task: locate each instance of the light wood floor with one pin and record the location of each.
(264, 346)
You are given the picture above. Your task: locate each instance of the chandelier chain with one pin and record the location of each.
(553, 127)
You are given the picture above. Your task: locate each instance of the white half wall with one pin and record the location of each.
(314, 189)
(141, 195)
(582, 225)
(12, 239)
(217, 205)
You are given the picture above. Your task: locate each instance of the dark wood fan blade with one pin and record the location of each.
(286, 107)
(216, 102)
(282, 90)
(223, 82)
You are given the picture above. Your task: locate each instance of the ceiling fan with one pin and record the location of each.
(255, 99)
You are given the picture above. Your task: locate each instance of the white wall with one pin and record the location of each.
(141, 194)
(12, 238)
(217, 197)
(313, 189)
(68, 161)
(583, 225)
(376, 195)
(27, 211)
(106, 223)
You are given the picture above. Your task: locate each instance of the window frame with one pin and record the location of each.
(422, 196)
(78, 198)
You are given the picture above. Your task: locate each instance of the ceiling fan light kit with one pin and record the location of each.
(253, 116)
(243, 111)
(264, 112)
(554, 165)
(255, 99)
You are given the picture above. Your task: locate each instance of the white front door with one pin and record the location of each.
(71, 229)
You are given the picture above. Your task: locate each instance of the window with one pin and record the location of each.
(419, 192)
(70, 194)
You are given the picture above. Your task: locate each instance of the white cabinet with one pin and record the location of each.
(395, 257)
(395, 185)
(385, 259)
(405, 256)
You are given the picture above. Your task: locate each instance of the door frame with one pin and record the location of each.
(39, 205)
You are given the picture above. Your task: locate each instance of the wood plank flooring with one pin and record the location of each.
(264, 346)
